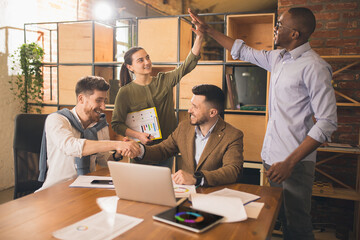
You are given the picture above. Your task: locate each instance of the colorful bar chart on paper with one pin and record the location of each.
(146, 121)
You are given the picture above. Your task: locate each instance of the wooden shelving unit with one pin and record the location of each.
(346, 192)
(81, 46)
(257, 32)
(354, 60)
(90, 48)
(77, 49)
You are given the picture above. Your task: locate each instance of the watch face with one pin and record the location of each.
(198, 175)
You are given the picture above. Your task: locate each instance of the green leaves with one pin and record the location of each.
(27, 86)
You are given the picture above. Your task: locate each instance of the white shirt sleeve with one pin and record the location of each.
(101, 158)
(61, 134)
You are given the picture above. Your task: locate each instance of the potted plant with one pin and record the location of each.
(27, 85)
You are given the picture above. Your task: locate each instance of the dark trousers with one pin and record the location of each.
(295, 210)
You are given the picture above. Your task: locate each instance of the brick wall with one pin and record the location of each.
(337, 33)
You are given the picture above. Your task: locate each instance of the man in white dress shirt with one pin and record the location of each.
(65, 140)
(300, 89)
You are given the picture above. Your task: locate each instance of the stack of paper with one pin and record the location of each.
(245, 197)
(233, 205)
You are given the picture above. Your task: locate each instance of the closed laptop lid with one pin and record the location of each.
(144, 183)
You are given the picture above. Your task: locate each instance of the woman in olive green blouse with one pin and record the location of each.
(146, 91)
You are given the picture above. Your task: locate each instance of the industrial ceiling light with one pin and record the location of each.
(103, 10)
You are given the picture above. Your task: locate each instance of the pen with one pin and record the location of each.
(251, 201)
(149, 136)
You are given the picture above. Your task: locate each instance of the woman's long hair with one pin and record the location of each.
(125, 77)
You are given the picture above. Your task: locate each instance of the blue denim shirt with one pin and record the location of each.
(300, 88)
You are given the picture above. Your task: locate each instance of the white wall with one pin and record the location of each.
(10, 38)
(13, 15)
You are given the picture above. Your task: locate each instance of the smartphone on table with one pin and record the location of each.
(104, 182)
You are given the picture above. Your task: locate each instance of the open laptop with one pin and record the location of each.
(143, 183)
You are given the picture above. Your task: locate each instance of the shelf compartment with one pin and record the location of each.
(159, 37)
(255, 29)
(68, 76)
(355, 59)
(347, 192)
(77, 40)
(254, 133)
(202, 74)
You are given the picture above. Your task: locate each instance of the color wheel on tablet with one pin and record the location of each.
(189, 217)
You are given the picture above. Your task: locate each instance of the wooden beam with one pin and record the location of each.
(334, 179)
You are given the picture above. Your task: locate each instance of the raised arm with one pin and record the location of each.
(198, 40)
(201, 26)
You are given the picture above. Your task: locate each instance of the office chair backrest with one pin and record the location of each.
(27, 142)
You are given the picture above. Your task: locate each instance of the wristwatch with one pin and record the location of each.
(115, 158)
(199, 176)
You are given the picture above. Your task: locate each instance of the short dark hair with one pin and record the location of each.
(88, 84)
(213, 95)
(304, 19)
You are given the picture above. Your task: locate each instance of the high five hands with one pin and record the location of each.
(201, 26)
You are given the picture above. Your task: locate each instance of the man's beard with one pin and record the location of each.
(199, 121)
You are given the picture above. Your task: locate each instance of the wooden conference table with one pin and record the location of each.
(37, 215)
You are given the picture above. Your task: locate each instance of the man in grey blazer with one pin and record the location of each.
(211, 149)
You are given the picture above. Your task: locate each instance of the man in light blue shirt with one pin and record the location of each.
(300, 90)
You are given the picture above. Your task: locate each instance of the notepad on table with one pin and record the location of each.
(85, 181)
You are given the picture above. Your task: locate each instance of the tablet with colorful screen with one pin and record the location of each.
(188, 218)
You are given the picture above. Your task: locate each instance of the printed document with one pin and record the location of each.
(252, 208)
(145, 120)
(231, 208)
(102, 225)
